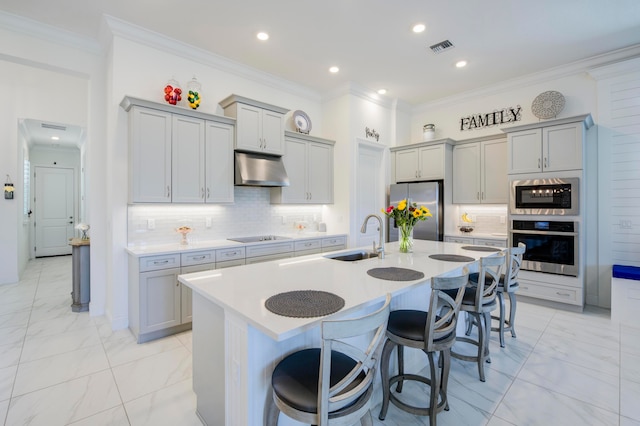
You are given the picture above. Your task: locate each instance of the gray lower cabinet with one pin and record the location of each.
(160, 295)
(159, 305)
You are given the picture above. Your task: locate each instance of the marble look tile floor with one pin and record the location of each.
(63, 368)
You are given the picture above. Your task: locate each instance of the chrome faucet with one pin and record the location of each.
(380, 248)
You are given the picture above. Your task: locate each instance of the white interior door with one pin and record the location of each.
(54, 208)
(370, 193)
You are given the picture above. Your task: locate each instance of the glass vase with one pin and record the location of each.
(406, 238)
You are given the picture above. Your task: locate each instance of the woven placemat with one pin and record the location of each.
(481, 248)
(304, 303)
(452, 257)
(395, 274)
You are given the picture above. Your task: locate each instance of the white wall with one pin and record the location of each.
(579, 91)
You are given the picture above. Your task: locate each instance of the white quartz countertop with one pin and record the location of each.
(156, 249)
(243, 290)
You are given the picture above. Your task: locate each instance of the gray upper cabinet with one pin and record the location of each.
(149, 156)
(308, 161)
(550, 146)
(259, 126)
(480, 172)
(178, 155)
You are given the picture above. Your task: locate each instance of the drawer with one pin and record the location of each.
(198, 257)
(269, 249)
(569, 295)
(490, 242)
(154, 263)
(459, 240)
(225, 255)
(306, 252)
(308, 245)
(334, 241)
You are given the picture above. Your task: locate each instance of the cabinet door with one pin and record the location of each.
(431, 162)
(562, 147)
(159, 300)
(150, 156)
(525, 151)
(295, 163)
(407, 165)
(188, 162)
(466, 173)
(495, 184)
(186, 294)
(249, 128)
(320, 173)
(219, 162)
(272, 132)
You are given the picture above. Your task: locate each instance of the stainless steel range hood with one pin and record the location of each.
(253, 169)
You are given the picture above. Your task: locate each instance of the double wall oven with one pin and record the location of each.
(545, 215)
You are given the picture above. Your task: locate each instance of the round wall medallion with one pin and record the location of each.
(547, 104)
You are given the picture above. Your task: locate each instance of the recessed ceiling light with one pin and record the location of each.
(382, 91)
(55, 138)
(262, 36)
(418, 28)
(334, 69)
(461, 64)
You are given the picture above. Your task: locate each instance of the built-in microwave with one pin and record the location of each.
(548, 196)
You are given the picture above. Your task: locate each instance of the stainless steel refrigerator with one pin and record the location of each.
(427, 194)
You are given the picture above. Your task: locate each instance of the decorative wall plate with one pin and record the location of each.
(547, 104)
(302, 121)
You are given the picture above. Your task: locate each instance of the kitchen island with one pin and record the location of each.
(237, 342)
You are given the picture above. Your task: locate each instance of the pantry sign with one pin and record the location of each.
(503, 116)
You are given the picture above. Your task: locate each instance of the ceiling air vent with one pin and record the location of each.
(53, 127)
(441, 47)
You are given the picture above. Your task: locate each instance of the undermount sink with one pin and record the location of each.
(353, 256)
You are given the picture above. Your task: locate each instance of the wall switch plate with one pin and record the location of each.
(207, 222)
(151, 224)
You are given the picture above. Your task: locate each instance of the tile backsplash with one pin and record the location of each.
(487, 219)
(251, 214)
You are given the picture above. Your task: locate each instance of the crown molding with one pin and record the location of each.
(137, 34)
(353, 89)
(29, 27)
(573, 68)
(616, 69)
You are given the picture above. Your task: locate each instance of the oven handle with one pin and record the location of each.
(568, 234)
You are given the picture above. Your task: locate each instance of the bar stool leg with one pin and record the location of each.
(445, 365)
(512, 313)
(481, 346)
(435, 388)
(501, 319)
(400, 368)
(384, 373)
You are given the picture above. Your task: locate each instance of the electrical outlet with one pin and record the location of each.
(207, 222)
(503, 220)
(626, 224)
(151, 224)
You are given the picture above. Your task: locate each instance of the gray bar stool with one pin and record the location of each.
(431, 331)
(331, 385)
(478, 302)
(508, 284)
